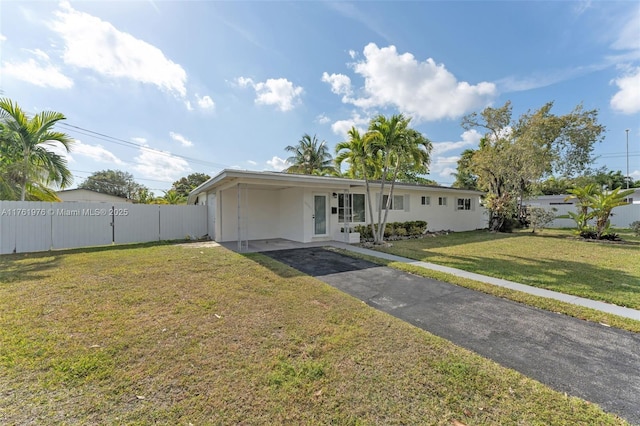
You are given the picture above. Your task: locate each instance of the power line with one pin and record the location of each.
(129, 144)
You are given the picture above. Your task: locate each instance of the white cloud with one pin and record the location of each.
(342, 127)
(188, 105)
(424, 90)
(2, 38)
(95, 152)
(340, 84)
(252, 163)
(627, 100)
(179, 138)
(278, 164)
(322, 119)
(444, 166)
(38, 71)
(139, 140)
(159, 165)
(205, 102)
(279, 92)
(469, 138)
(95, 44)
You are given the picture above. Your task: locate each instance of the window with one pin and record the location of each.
(442, 201)
(425, 201)
(396, 204)
(464, 203)
(352, 209)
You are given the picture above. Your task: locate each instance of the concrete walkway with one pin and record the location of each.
(593, 304)
(582, 358)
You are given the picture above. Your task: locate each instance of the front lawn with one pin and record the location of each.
(551, 259)
(202, 335)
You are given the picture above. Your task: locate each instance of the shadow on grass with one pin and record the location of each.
(565, 276)
(34, 266)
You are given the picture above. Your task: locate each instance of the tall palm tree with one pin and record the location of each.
(310, 157)
(398, 146)
(32, 165)
(361, 164)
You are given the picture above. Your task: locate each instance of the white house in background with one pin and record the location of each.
(87, 195)
(621, 217)
(249, 205)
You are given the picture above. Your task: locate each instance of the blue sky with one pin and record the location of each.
(162, 89)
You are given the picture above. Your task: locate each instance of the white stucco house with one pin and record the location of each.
(249, 205)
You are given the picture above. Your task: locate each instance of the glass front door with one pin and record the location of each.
(320, 214)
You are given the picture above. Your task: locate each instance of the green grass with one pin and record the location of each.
(551, 259)
(185, 335)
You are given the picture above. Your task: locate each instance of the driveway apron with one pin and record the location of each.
(583, 359)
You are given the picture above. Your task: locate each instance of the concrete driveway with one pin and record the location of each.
(587, 360)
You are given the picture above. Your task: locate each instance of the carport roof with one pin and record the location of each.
(284, 180)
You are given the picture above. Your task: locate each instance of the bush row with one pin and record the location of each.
(395, 229)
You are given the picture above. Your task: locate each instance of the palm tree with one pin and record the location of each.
(397, 146)
(31, 164)
(361, 164)
(310, 157)
(602, 203)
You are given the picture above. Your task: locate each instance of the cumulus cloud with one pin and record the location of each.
(444, 166)
(322, 119)
(342, 127)
(278, 164)
(38, 71)
(95, 152)
(160, 165)
(468, 138)
(179, 138)
(205, 102)
(627, 99)
(95, 44)
(278, 92)
(424, 90)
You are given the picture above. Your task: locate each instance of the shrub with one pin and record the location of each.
(539, 218)
(635, 227)
(395, 229)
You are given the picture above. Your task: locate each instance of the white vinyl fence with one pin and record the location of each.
(621, 217)
(30, 226)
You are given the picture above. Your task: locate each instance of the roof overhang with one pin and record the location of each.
(276, 181)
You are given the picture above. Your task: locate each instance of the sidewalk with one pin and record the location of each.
(588, 303)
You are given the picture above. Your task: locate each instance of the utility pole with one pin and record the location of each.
(628, 177)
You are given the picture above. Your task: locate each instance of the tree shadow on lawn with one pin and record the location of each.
(22, 267)
(565, 276)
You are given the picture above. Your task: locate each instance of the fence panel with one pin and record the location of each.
(177, 222)
(136, 223)
(621, 216)
(31, 226)
(26, 226)
(77, 224)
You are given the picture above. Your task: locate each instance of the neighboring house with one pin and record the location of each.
(248, 205)
(87, 195)
(621, 217)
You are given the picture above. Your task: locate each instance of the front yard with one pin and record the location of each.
(174, 334)
(551, 259)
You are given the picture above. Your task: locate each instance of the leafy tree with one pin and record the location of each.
(540, 218)
(185, 185)
(29, 164)
(310, 157)
(515, 155)
(118, 183)
(465, 177)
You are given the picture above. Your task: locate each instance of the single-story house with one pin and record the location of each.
(621, 217)
(89, 196)
(250, 205)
